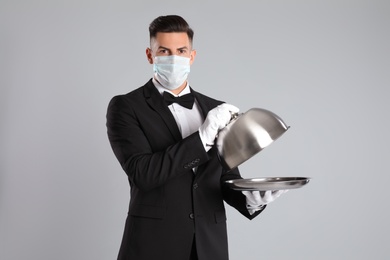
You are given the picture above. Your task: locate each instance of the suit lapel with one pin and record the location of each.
(156, 102)
(204, 106)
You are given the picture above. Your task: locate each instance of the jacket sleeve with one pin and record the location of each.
(235, 198)
(146, 167)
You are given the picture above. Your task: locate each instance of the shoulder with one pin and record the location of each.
(131, 97)
(126, 98)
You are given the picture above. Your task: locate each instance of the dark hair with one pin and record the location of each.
(170, 23)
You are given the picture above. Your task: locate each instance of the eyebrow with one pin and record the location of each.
(165, 48)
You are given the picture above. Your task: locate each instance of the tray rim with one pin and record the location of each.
(290, 182)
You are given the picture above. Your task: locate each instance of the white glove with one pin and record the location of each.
(216, 119)
(256, 200)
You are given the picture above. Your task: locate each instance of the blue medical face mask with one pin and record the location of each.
(171, 71)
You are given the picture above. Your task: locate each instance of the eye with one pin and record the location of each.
(183, 51)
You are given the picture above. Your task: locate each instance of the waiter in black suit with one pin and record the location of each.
(163, 136)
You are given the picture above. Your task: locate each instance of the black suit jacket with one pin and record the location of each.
(169, 204)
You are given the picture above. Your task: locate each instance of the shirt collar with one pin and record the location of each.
(161, 89)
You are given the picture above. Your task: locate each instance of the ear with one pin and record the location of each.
(192, 56)
(149, 55)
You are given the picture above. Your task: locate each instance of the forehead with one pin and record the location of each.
(171, 40)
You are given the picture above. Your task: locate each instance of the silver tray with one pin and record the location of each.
(263, 184)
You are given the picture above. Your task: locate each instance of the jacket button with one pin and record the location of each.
(192, 216)
(195, 186)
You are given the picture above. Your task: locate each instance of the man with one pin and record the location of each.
(167, 150)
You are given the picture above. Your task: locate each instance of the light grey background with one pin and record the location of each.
(323, 66)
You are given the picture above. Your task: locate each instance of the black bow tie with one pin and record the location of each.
(186, 100)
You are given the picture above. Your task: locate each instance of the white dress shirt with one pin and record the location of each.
(188, 120)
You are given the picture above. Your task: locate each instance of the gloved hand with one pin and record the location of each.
(216, 119)
(255, 200)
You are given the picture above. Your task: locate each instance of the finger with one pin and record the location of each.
(246, 193)
(256, 197)
(223, 116)
(277, 193)
(251, 197)
(283, 191)
(230, 107)
(267, 197)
